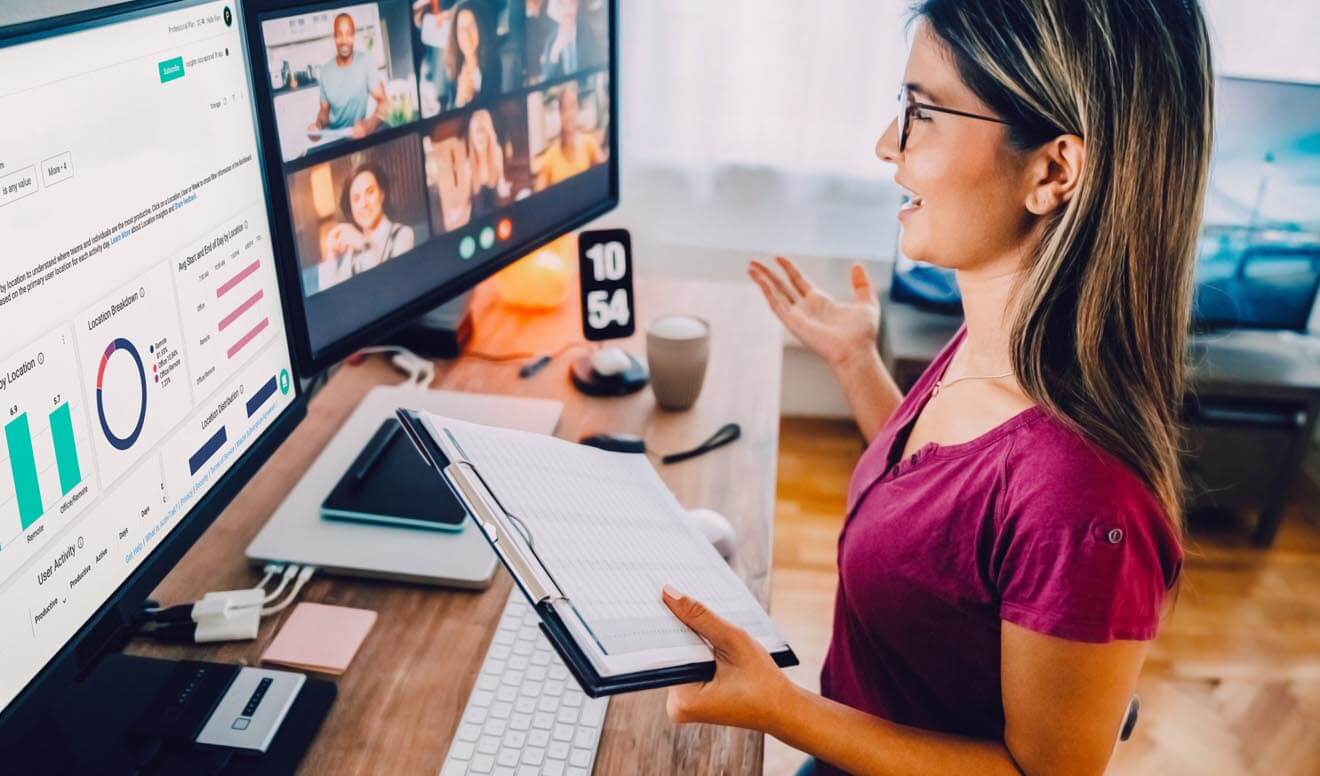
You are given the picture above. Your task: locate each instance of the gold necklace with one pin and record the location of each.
(939, 384)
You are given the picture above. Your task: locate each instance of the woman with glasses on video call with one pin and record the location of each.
(1013, 529)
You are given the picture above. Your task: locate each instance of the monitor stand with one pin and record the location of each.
(149, 716)
(440, 333)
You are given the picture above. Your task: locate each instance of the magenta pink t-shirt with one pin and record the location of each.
(1028, 523)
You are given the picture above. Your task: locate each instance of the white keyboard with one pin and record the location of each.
(527, 714)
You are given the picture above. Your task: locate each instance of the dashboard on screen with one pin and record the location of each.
(421, 145)
(144, 350)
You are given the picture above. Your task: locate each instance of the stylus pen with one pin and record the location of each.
(362, 470)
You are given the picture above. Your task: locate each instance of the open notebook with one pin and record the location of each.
(591, 536)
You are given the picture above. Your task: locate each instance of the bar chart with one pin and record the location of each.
(45, 459)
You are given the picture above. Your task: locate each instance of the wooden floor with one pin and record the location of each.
(1232, 685)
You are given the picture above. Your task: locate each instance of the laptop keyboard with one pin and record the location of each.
(526, 715)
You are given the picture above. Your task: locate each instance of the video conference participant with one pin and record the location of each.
(490, 189)
(432, 18)
(472, 59)
(539, 31)
(575, 151)
(367, 237)
(348, 83)
(575, 46)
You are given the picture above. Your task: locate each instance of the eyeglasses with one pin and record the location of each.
(910, 107)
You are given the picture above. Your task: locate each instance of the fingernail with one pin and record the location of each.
(670, 592)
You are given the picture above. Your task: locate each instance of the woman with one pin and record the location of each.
(1013, 527)
(576, 151)
(471, 59)
(489, 187)
(369, 237)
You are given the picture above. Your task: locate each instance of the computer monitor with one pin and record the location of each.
(416, 148)
(146, 369)
(1259, 256)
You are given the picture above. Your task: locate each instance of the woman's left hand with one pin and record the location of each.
(748, 690)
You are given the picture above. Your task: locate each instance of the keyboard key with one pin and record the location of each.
(558, 750)
(568, 715)
(501, 710)
(563, 733)
(521, 722)
(585, 737)
(512, 677)
(541, 658)
(525, 705)
(488, 682)
(514, 739)
(543, 720)
(523, 648)
(594, 711)
(538, 738)
(528, 770)
(500, 770)
(506, 693)
(508, 758)
(476, 714)
(547, 703)
(572, 698)
(532, 689)
(495, 727)
(536, 673)
(467, 732)
(462, 750)
(533, 755)
(500, 651)
(580, 758)
(558, 672)
(482, 763)
(553, 768)
(454, 767)
(481, 698)
(488, 744)
(576, 772)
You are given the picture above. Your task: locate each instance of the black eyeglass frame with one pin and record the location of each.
(911, 106)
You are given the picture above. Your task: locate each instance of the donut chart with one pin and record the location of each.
(117, 441)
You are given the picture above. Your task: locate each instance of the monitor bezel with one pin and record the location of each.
(315, 361)
(109, 627)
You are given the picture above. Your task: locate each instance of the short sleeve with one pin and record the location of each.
(1083, 550)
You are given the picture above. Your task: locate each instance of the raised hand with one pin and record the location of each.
(834, 329)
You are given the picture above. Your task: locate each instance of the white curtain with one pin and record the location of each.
(799, 86)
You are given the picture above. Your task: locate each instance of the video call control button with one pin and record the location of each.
(487, 238)
(466, 248)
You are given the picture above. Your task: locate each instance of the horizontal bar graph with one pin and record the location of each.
(259, 398)
(204, 453)
(242, 275)
(246, 338)
(242, 308)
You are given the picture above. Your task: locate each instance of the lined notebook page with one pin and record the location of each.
(611, 534)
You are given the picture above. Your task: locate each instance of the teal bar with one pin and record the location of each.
(66, 453)
(24, 466)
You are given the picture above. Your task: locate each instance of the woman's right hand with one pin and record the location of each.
(835, 329)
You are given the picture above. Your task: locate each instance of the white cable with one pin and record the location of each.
(289, 571)
(303, 576)
(420, 371)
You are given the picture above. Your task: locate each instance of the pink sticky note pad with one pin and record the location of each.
(320, 638)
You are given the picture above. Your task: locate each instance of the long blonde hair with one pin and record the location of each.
(1104, 306)
(487, 161)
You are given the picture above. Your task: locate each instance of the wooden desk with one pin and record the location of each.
(400, 701)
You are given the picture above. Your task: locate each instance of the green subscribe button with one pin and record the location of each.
(170, 69)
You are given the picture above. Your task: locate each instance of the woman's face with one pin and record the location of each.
(367, 200)
(469, 35)
(965, 180)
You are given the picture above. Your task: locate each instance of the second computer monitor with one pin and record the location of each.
(424, 145)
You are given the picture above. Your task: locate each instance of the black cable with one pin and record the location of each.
(727, 433)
